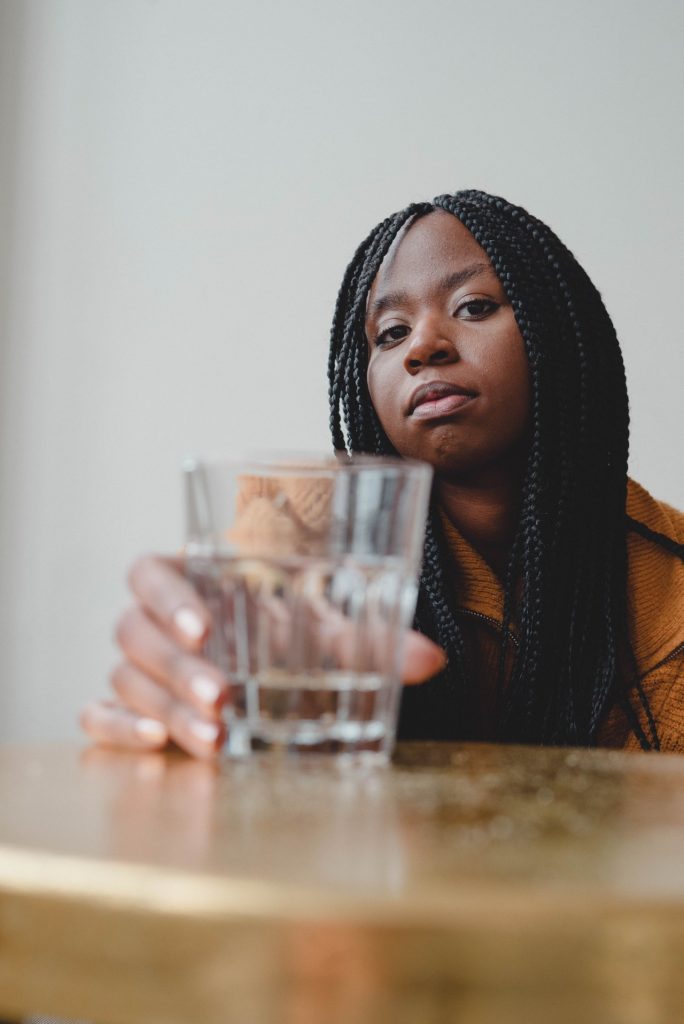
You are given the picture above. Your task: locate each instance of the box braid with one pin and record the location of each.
(566, 581)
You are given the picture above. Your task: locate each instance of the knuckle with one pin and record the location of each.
(84, 719)
(119, 678)
(89, 717)
(139, 570)
(126, 626)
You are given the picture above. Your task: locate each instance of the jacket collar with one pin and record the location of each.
(655, 580)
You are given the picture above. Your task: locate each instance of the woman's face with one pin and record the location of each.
(447, 370)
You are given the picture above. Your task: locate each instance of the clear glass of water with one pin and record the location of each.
(309, 567)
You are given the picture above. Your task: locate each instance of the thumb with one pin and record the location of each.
(422, 659)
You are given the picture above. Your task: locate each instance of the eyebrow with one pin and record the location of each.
(447, 284)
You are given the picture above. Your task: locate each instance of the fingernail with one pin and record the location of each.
(151, 730)
(189, 622)
(205, 731)
(205, 689)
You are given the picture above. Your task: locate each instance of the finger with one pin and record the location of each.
(190, 679)
(422, 659)
(139, 694)
(165, 593)
(373, 644)
(108, 724)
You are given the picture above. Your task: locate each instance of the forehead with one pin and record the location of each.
(429, 246)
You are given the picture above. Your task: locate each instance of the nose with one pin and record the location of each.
(430, 345)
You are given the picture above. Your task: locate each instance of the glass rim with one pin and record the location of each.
(302, 463)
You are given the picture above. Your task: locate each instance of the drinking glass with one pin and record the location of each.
(309, 568)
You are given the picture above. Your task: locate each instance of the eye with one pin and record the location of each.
(394, 333)
(476, 309)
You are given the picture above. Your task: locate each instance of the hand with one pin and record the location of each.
(164, 689)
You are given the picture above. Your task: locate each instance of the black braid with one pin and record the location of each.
(569, 558)
(663, 541)
(347, 337)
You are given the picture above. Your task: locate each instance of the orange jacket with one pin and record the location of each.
(656, 603)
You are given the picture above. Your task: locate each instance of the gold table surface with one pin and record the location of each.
(472, 883)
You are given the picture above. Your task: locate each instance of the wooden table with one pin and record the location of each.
(470, 883)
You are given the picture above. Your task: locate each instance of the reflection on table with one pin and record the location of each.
(466, 882)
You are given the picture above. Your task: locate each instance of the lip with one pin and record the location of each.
(438, 398)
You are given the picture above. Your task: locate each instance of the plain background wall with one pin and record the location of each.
(182, 185)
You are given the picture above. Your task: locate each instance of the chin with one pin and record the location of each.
(445, 458)
(449, 454)
(455, 465)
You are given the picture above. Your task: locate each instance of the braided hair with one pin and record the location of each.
(566, 580)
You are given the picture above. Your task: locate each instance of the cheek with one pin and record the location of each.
(381, 388)
(510, 374)
(506, 378)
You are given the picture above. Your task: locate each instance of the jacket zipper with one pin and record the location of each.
(493, 622)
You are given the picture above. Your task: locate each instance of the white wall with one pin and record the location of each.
(182, 186)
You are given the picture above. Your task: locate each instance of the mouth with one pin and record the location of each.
(438, 398)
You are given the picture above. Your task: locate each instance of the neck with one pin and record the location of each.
(485, 511)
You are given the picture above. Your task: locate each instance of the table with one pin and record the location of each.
(472, 883)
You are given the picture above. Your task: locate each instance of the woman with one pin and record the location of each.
(467, 335)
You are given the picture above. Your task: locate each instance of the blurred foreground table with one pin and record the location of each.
(466, 883)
